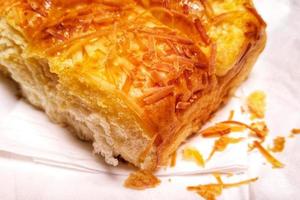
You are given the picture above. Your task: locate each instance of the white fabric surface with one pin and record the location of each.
(27, 133)
(30, 145)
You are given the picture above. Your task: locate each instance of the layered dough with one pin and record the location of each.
(135, 78)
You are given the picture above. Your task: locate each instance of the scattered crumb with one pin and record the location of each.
(296, 131)
(260, 129)
(251, 147)
(208, 192)
(221, 129)
(211, 191)
(191, 153)
(222, 143)
(141, 180)
(256, 103)
(231, 115)
(278, 144)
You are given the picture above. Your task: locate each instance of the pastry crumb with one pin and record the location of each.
(278, 144)
(141, 180)
(259, 129)
(211, 191)
(191, 153)
(222, 143)
(256, 103)
(231, 115)
(296, 131)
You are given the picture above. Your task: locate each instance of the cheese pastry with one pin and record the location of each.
(135, 78)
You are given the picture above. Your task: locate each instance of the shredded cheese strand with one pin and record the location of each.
(271, 159)
(256, 131)
(296, 131)
(211, 191)
(230, 185)
(222, 143)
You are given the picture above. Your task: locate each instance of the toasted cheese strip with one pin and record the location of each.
(135, 78)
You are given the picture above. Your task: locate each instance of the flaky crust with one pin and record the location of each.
(172, 63)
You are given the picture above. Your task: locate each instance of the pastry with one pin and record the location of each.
(135, 78)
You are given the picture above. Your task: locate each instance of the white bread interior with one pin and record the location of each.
(41, 88)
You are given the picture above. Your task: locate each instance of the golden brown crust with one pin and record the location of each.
(166, 58)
